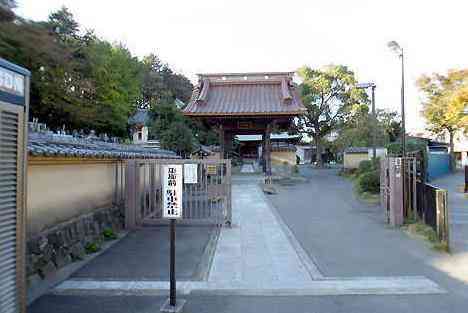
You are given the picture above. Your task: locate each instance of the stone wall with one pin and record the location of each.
(67, 242)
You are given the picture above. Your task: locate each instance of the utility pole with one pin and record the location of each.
(395, 47)
(374, 124)
(374, 117)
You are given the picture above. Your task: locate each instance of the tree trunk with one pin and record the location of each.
(318, 151)
(452, 152)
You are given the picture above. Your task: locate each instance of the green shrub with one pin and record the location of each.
(92, 247)
(369, 182)
(109, 234)
(365, 166)
(376, 163)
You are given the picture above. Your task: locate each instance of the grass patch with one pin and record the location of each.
(426, 233)
(372, 198)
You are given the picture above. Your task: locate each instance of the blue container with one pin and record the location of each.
(438, 164)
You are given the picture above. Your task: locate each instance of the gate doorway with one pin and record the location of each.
(208, 201)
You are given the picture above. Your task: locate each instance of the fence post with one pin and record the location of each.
(131, 195)
(443, 224)
(466, 178)
(228, 193)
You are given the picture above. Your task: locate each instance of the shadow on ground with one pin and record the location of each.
(144, 255)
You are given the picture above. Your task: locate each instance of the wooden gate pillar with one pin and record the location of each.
(132, 195)
(228, 136)
(221, 141)
(267, 141)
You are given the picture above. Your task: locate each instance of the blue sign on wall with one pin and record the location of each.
(12, 82)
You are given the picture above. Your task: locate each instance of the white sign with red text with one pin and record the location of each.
(172, 191)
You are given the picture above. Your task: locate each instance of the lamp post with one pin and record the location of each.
(398, 50)
(395, 47)
(374, 118)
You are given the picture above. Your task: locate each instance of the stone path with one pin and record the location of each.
(247, 169)
(257, 248)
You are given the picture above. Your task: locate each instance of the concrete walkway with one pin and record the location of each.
(247, 169)
(257, 249)
(458, 210)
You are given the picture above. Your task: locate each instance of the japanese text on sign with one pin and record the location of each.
(190, 173)
(11, 82)
(172, 191)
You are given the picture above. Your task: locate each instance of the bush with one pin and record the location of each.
(92, 247)
(109, 234)
(369, 182)
(365, 166)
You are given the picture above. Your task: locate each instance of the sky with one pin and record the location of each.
(254, 35)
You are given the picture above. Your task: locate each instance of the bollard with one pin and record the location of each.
(466, 178)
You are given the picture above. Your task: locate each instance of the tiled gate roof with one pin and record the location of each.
(245, 94)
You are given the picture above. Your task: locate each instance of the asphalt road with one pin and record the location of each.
(347, 237)
(245, 304)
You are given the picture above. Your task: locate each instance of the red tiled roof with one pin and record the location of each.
(244, 97)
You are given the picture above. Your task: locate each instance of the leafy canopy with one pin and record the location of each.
(446, 97)
(81, 82)
(328, 94)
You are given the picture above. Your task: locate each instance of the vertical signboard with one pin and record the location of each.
(190, 173)
(172, 210)
(172, 191)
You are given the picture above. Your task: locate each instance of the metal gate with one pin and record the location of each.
(206, 202)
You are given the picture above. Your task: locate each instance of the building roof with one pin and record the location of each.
(63, 146)
(281, 146)
(245, 94)
(179, 103)
(357, 150)
(141, 117)
(280, 136)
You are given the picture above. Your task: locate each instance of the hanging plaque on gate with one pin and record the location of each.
(172, 191)
(211, 169)
(190, 173)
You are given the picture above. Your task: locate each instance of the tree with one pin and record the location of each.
(356, 129)
(445, 98)
(63, 24)
(328, 95)
(6, 12)
(179, 138)
(82, 82)
(161, 84)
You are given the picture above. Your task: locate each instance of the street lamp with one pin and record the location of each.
(397, 49)
(374, 118)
